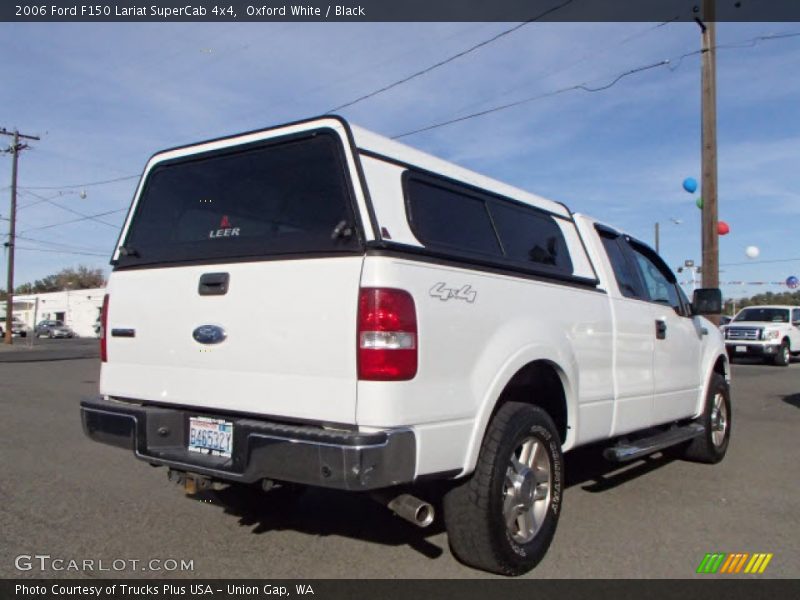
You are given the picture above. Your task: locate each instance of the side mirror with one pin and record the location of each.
(707, 301)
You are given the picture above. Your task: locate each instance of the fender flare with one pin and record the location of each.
(565, 365)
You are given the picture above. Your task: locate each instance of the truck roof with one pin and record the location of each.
(370, 143)
(784, 306)
(373, 143)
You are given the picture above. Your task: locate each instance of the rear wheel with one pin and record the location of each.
(503, 518)
(711, 446)
(783, 356)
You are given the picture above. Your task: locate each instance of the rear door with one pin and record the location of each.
(676, 364)
(634, 340)
(237, 277)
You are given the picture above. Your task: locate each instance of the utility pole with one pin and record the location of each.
(710, 235)
(14, 150)
(657, 236)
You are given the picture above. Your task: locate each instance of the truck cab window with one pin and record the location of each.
(659, 287)
(624, 273)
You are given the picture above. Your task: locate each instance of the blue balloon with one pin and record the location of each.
(690, 185)
(792, 282)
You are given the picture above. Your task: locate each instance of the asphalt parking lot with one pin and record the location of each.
(67, 497)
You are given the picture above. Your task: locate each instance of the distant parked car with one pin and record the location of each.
(769, 332)
(18, 328)
(53, 329)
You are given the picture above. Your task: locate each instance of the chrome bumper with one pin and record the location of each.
(347, 460)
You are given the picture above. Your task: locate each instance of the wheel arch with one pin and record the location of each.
(717, 365)
(542, 379)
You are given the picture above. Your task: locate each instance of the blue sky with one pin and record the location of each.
(105, 96)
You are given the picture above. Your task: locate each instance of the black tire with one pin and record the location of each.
(474, 509)
(783, 356)
(703, 448)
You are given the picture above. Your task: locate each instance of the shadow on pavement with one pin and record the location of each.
(793, 399)
(586, 467)
(323, 512)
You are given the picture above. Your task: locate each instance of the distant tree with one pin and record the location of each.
(80, 278)
(787, 297)
(25, 288)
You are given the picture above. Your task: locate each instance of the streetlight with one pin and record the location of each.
(673, 220)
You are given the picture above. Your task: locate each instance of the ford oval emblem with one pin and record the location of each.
(209, 334)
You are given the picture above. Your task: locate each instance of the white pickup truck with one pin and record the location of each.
(768, 332)
(317, 305)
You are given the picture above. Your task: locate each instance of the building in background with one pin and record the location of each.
(78, 309)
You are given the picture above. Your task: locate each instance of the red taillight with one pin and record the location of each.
(387, 335)
(104, 329)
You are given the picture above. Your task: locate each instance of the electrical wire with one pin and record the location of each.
(59, 251)
(530, 99)
(584, 86)
(560, 69)
(88, 217)
(450, 59)
(57, 244)
(760, 262)
(78, 185)
(68, 209)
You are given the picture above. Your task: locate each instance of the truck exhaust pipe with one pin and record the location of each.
(408, 507)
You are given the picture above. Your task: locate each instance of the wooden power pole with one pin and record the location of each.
(710, 235)
(14, 150)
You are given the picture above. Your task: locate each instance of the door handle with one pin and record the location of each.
(213, 284)
(661, 329)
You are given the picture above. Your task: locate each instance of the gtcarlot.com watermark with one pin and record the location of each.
(46, 562)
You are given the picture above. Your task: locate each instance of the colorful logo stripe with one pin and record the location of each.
(735, 562)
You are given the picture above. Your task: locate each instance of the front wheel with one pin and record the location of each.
(711, 446)
(783, 357)
(503, 518)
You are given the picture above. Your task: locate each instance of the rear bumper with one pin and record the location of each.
(261, 449)
(750, 349)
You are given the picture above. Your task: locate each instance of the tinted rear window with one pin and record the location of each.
(445, 217)
(282, 198)
(449, 217)
(529, 236)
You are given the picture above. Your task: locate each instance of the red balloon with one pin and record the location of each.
(723, 228)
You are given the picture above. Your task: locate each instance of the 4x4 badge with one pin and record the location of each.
(445, 293)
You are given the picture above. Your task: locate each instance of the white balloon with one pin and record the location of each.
(752, 251)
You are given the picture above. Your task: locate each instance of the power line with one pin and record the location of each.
(60, 251)
(88, 217)
(566, 67)
(449, 59)
(761, 262)
(58, 244)
(68, 209)
(78, 185)
(531, 99)
(584, 87)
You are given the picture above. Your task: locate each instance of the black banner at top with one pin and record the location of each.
(397, 10)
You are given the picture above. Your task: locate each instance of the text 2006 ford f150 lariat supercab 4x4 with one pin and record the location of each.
(315, 304)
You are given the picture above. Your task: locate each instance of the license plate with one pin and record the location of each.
(741, 348)
(210, 436)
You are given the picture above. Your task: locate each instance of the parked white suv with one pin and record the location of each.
(769, 332)
(316, 304)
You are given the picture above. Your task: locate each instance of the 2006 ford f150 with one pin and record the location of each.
(315, 304)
